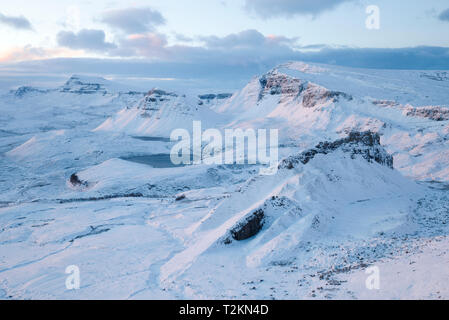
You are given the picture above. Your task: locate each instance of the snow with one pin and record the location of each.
(145, 229)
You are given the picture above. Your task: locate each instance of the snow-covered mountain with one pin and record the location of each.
(362, 181)
(161, 112)
(309, 104)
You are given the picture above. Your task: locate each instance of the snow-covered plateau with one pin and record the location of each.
(363, 181)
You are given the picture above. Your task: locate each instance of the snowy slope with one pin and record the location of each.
(303, 202)
(161, 112)
(410, 110)
(79, 101)
(309, 103)
(362, 181)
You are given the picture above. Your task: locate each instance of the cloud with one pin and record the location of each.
(149, 45)
(20, 23)
(133, 20)
(252, 48)
(413, 58)
(290, 8)
(236, 55)
(202, 68)
(246, 40)
(444, 16)
(182, 38)
(240, 48)
(30, 53)
(86, 39)
(243, 48)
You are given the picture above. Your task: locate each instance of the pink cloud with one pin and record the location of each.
(27, 53)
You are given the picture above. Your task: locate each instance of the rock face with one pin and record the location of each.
(314, 95)
(212, 98)
(435, 113)
(431, 112)
(180, 197)
(274, 83)
(267, 216)
(153, 101)
(250, 227)
(75, 180)
(367, 144)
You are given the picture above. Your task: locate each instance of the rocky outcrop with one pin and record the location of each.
(315, 95)
(434, 113)
(274, 83)
(249, 227)
(263, 218)
(366, 144)
(76, 182)
(385, 103)
(154, 98)
(212, 96)
(180, 197)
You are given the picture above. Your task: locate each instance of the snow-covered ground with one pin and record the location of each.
(363, 181)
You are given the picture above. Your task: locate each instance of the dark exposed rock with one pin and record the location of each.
(224, 95)
(265, 215)
(250, 227)
(180, 197)
(435, 113)
(366, 144)
(212, 96)
(75, 180)
(100, 198)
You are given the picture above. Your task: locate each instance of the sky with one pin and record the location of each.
(219, 39)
